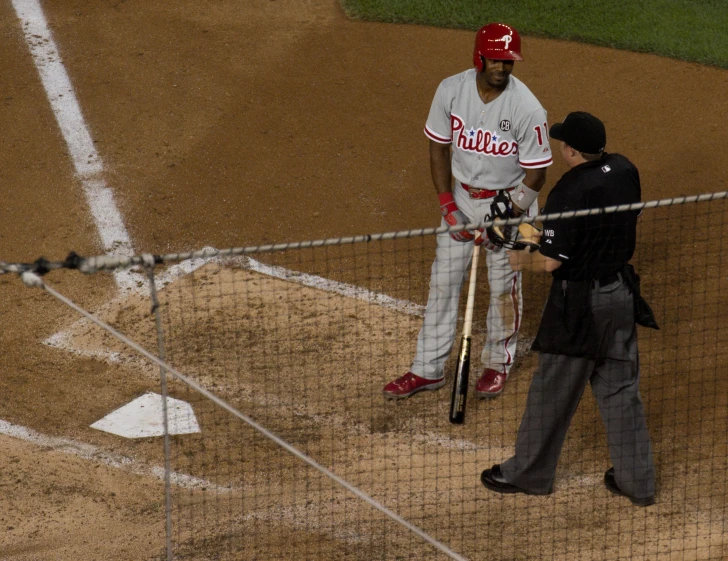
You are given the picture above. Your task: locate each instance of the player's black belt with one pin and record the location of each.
(478, 193)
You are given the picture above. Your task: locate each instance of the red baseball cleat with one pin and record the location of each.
(491, 383)
(409, 384)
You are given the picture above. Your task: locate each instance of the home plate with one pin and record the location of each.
(143, 418)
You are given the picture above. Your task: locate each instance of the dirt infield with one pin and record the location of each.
(230, 124)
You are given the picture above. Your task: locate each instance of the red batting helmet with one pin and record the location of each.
(496, 41)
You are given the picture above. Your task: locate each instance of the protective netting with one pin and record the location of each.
(302, 340)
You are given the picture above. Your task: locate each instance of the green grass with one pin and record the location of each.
(693, 30)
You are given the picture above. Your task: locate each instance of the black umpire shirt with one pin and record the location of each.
(590, 248)
(597, 246)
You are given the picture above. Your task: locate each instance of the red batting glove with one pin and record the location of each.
(453, 217)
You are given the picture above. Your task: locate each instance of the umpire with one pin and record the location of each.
(587, 332)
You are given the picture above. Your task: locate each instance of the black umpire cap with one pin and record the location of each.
(582, 131)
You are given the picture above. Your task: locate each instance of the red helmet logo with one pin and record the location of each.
(496, 41)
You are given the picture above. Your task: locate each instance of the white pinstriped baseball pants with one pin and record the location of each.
(452, 263)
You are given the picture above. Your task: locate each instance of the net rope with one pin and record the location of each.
(94, 264)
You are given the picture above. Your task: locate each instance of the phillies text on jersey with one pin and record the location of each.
(482, 141)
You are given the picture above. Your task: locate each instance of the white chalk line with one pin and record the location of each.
(63, 339)
(89, 452)
(343, 289)
(86, 160)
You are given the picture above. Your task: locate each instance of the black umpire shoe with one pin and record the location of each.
(611, 484)
(493, 479)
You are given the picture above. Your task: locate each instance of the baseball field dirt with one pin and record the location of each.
(232, 124)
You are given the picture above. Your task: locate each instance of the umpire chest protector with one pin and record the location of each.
(597, 246)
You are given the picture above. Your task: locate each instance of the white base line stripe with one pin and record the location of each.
(86, 160)
(89, 452)
(348, 290)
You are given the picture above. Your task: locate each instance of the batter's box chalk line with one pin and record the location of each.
(65, 340)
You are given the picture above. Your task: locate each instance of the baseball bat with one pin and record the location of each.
(462, 372)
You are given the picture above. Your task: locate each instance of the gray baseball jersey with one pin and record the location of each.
(491, 143)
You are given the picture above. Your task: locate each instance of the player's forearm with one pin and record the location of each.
(535, 178)
(441, 167)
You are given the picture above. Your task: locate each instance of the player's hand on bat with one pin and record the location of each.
(481, 238)
(454, 217)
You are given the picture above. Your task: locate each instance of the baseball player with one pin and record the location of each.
(488, 132)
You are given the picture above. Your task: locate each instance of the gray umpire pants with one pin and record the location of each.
(556, 390)
(452, 263)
